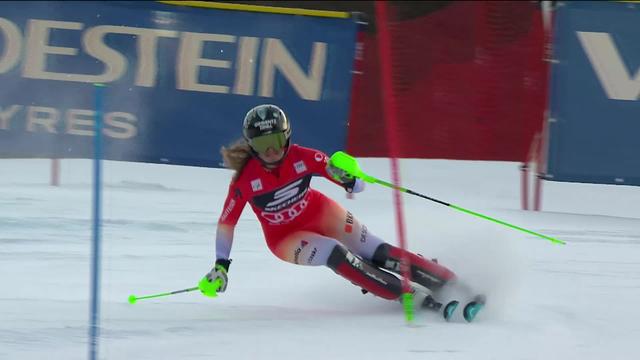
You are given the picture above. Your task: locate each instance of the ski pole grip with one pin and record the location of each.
(217, 284)
(349, 164)
(215, 287)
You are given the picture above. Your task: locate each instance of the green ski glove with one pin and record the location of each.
(215, 281)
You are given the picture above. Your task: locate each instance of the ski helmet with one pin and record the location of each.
(266, 126)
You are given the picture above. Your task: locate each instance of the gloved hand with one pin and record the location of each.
(341, 176)
(215, 281)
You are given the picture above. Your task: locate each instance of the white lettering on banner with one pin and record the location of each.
(77, 118)
(189, 61)
(12, 45)
(43, 116)
(6, 115)
(38, 47)
(118, 125)
(277, 56)
(116, 63)
(615, 78)
(246, 65)
(123, 121)
(306, 79)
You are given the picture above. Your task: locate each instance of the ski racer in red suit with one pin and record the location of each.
(303, 226)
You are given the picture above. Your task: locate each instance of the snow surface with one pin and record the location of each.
(546, 301)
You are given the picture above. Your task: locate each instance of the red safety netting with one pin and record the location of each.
(469, 82)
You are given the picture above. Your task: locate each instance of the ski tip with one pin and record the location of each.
(471, 310)
(450, 309)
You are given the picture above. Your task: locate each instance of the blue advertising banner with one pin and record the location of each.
(179, 80)
(594, 128)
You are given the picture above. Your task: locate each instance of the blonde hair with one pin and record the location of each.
(236, 156)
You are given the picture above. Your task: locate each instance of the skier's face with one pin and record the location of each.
(270, 147)
(272, 155)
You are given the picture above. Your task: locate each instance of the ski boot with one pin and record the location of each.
(447, 310)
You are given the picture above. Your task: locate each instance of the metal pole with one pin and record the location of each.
(94, 315)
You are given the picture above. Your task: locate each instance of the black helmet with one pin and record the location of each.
(264, 120)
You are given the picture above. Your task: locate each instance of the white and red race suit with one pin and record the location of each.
(303, 226)
(286, 205)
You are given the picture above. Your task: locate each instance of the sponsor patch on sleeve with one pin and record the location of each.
(256, 185)
(300, 167)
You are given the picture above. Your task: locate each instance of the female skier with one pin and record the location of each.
(303, 226)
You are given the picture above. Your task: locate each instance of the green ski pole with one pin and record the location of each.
(349, 164)
(133, 298)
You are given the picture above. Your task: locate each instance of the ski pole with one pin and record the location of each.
(349, 164)
(133, 298)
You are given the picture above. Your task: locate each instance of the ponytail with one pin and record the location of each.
(236, 156)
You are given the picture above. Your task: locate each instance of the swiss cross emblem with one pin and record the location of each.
(256, 185)
(300, 167)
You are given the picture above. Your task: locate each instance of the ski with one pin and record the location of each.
(473, 308)
(450, 311)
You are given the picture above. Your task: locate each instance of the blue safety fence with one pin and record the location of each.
(594, 128)
(179, 79)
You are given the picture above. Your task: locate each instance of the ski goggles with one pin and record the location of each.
(276, 141)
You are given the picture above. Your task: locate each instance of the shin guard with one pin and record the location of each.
(364, 275)
(425, 272)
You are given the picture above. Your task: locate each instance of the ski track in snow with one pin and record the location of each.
(544, 301)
